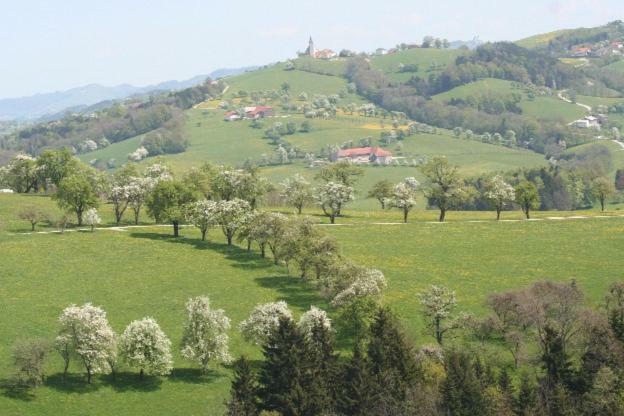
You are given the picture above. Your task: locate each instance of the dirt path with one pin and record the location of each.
(126, 228)
(619, 144)
(561, 97)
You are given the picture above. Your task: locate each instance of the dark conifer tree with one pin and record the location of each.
(323, 362)
(527, 397)
(462, 392)
(286, 377)
(390, 356)
(244, 390)
(354, 397)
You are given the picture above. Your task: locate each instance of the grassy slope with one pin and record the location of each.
(616, 152)
(109, 269)
(617, 66)
(542, 107)
(541, 40)
(421, 57)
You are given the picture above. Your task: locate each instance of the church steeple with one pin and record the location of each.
(310, 51)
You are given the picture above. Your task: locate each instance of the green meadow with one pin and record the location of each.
(145, 272)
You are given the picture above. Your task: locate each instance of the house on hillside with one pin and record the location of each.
(362, 155)
(251, 113)
(580, 52)
(589, 122)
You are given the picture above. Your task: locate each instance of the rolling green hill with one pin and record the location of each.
(428, 60)
(543, 107)
(541, 40)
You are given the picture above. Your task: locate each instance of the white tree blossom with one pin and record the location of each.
(202, 215)
(297, 191)
(404, 196)
(439, 304)
(119, 197)
(145, 346)
(139, 154)
(231, 216)
(85, 333)
(332, 196)
(205, 334)
(92, 218)
(367, 282)
(313, 318)
(499, 193)
(263, 320)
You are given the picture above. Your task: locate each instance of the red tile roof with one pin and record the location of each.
(363, 151)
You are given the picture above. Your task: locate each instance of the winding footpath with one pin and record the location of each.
(567, 100)
(126, 228)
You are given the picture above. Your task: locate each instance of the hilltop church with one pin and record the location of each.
(318, 54)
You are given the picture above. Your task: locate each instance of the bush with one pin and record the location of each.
(29, 360)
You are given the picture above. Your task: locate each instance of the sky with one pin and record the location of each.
(48, 45)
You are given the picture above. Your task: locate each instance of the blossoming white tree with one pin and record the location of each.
(331, 197)
(205, 336)
(231, 216)
(201, 215)
(92, 218)
(362, 283)
(85, 333)
(263, 320)
(145, 346)
(297, 192)
(119, 197)
(439, 304)
(313, 318)
(404, 196)
(499, 193)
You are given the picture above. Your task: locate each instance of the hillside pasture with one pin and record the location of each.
(428, 60)
(110, 268)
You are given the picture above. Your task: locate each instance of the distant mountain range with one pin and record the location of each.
(51, 105)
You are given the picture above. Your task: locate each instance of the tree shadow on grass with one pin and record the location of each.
(73, 383)
(195, 376)
(294, 291)
(13, 390)
(242, 258)
(128, 381)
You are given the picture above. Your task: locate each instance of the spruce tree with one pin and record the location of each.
(286, 379)
(354, 396)
(243, 400)
(526, 400)
(461, 390)
(391, 359)
(323, 363)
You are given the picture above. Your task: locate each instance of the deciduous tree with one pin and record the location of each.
(145, 346)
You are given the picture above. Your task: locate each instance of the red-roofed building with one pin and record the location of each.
(260, 111)
(365, 155)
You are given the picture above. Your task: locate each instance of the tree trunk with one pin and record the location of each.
(229, 239)
(263, 250)
(498, 211)
(405, 212)
(442, 214)
(88, 375)
(602, 204)
(32, 226)
(383, 204)
(203, 233)
(527, 213)
(136, 216)
(141, 374)
(79, 217)
(332, 219)
(65, 369)
(299, 209)
(176, 229)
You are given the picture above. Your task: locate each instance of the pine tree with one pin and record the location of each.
(526, 400)
(286, 377)
(390, 357)
(243, 400)
(354, 397)
(324, 366)
(461, 390)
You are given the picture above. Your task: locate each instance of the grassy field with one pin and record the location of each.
(541, 107)
(541, 40)
(617, 66)
(428, 60)
(144, 272)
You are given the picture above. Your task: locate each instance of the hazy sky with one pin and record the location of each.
(48, 45)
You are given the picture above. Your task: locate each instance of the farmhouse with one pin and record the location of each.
(365, 155)
(589, 122)
(253, 113)
(579, 52)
